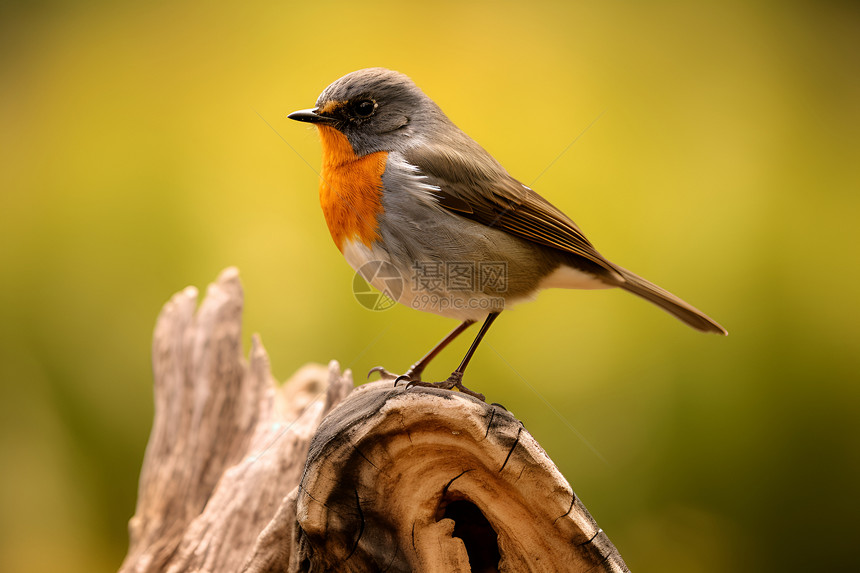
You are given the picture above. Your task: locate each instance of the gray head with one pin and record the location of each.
(376, 109)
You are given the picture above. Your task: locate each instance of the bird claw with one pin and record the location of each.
(383, 373)
(397, 378)
(459, 386)
(454, 381)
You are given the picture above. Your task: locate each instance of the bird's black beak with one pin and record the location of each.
(310, 116)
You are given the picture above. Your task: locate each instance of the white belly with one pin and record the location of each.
(569, 277)
(415, 289)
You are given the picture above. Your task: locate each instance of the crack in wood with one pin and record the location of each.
(569, 509)
(447, 485)
(322, 503)
(393, 557)
(364, 456)
(517, 441)
(360, 529)
(490, 423)
(305, 491)
(610, 559)
(584, 543)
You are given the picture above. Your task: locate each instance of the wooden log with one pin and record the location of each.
(243, 475)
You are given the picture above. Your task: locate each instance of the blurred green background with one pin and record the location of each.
(143, 150)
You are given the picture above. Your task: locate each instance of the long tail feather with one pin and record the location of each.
(669, 302)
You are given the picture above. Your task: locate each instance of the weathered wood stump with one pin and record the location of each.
(243, 475)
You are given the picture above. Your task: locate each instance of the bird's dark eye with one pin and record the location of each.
(364, 108)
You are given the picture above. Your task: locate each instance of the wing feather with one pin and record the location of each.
(487, 194)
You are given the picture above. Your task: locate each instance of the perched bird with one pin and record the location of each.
(403, 187)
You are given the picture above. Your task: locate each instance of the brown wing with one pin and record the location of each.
(475, 186)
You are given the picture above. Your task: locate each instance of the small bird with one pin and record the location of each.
(403, 187)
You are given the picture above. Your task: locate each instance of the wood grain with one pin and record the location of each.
(244, 474)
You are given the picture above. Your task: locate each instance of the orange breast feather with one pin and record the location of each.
(350, 189)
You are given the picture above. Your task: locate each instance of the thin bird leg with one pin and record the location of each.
(415, 371)
(455, 380)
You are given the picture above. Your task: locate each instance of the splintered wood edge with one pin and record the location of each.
(227, 443)
(401, 455)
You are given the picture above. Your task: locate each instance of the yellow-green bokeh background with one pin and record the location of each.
(142, 151)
